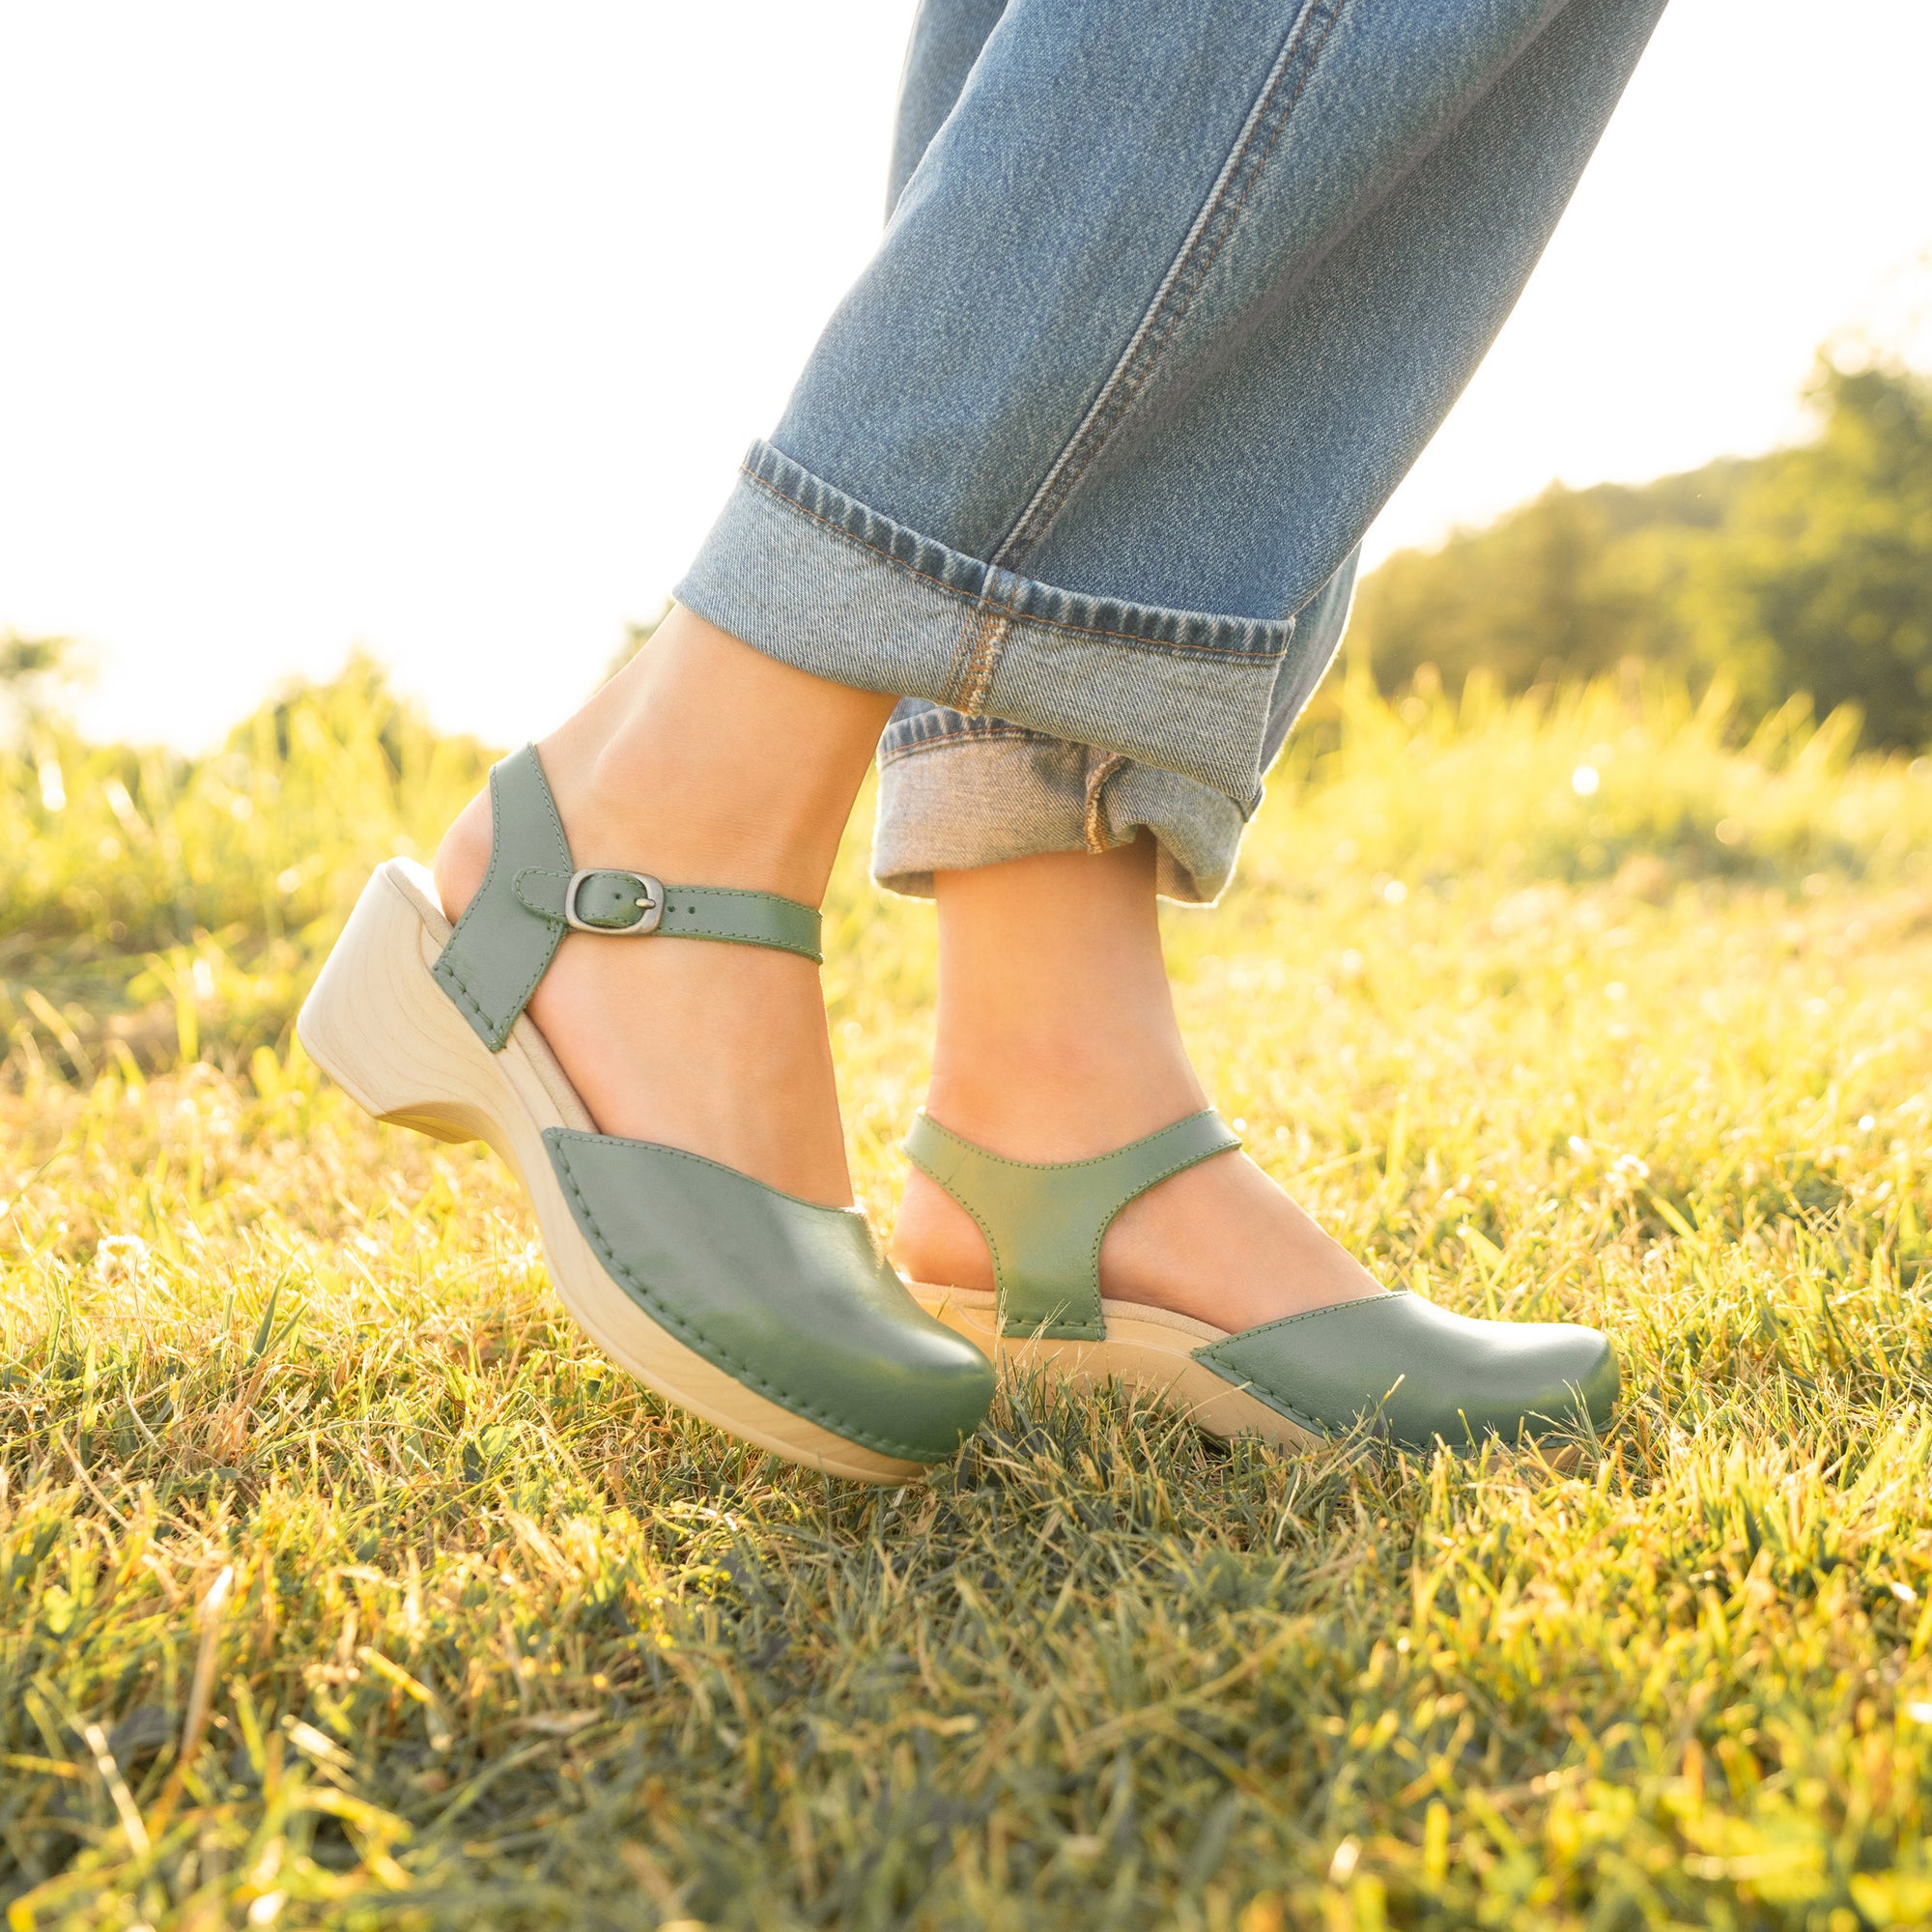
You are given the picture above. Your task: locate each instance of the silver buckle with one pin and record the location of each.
(650, 907)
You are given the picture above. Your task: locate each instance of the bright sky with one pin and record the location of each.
(440, 327)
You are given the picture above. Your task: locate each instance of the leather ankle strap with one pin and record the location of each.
(1044, 1220)
(533, 894)
(626, 905)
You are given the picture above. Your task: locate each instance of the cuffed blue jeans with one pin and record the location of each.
(1171, 295)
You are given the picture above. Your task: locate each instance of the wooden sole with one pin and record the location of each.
(1148, 1349)
(382, 1028)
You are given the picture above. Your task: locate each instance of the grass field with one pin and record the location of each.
(342, 1584)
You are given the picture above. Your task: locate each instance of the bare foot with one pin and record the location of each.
(1220, 1243)
(1057, 1041)
(718, 1049)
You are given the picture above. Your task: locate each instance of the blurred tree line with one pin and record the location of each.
(1808, 569)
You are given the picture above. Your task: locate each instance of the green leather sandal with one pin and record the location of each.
(774, 1318)
(1418, 1373)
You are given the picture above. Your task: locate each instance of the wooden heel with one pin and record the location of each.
(379, 1025)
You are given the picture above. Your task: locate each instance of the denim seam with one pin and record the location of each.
(990, 637)
(948, 740)
(1155, 646)
(1172, 301)
(1093, 821)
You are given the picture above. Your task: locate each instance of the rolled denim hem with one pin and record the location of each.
(809, 575)
(975, 796)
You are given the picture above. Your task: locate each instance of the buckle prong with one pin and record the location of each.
(650, 907)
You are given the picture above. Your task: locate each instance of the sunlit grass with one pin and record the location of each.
(342, 1584)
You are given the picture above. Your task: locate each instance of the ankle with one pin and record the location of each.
(702, 761)
(1057, 1039)
(463, 857)
(653, 773)
(934, 1239)
(733, 768)
(1060, 1094)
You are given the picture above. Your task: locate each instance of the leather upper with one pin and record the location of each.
(791, 1299)
(1044, 1220)
(1423, 1373)
(1417, 1372)
(491, 962)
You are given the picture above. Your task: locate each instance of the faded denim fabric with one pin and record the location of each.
(1171, 297)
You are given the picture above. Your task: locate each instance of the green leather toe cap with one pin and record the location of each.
(1427, 1375)
(790, 1298)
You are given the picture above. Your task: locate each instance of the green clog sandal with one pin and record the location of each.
(774, 1318)
(1415, 1371)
